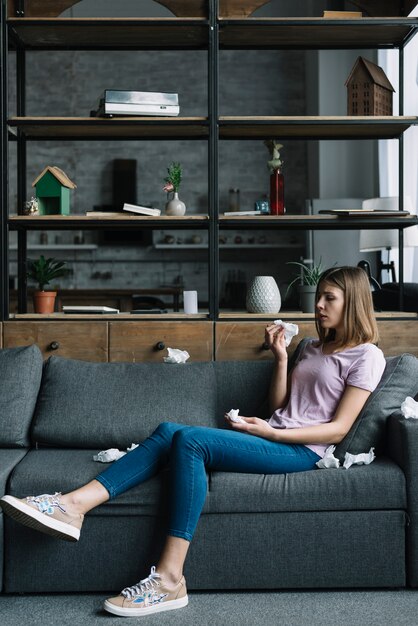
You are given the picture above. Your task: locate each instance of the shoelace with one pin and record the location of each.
(144, 585)
(47, 502)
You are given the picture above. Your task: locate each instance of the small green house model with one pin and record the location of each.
(53, 191)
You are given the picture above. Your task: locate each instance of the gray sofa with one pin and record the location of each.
(322, 528)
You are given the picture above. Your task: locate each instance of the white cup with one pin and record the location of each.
(190, 301)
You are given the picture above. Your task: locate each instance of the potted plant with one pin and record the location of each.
(172, 184)
(42, 271)
(308, 280)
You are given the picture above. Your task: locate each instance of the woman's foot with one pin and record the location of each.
(150, 595)
(45, 513)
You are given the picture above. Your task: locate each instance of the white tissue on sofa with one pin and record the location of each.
(113, 454)
(107, 456)
(329, 461)
(176, 356)
(290, 330)
(409, 408)
(365, 458)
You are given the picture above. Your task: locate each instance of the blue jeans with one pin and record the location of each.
(190, 450)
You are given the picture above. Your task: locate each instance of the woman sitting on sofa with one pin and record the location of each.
(313, 407)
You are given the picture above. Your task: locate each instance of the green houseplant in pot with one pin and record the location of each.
(43, 271)
(308, 279)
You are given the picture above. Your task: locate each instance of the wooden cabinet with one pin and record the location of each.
(76, 340)
(235, 341)
(396, 337)
(148, 341)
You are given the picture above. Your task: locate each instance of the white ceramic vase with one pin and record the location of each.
(263, 295)
(175, 206)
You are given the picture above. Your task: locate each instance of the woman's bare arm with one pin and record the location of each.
(332, 432)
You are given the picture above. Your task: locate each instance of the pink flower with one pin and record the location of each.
(168, 187)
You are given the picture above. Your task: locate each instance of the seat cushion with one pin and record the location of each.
(111, 405)
(379, 486)
(20, 379)
(399, 380)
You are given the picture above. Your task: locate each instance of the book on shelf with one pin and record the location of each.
(365, 213)
(342, 15)
(143, 210)
(237, 213)
(127, 208)
(89, 309)
(123, 102)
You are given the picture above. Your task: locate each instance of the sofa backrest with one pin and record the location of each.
(107, 405)
(20, 379)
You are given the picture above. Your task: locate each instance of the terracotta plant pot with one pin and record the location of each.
(44, 301)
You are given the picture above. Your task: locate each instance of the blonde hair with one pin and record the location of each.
(359, 319)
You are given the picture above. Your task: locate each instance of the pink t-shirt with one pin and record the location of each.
(318, 382)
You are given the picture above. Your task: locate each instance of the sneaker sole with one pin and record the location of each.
(171, 605)
(26, 515)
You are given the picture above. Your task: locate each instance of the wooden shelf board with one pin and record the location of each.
(84, 222)
(102, 128)
(231, 127)
(134, 317)
(316, 33)
(315, 127)
(109, 33)
(316, 222)
(298, 315)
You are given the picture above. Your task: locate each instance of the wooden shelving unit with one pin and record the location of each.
(213, 34)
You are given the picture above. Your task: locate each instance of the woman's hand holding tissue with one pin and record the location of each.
(252, 425)
(274, 336)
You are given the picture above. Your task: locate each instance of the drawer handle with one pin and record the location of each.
(160, 345)
(54, 345)
(265, 346)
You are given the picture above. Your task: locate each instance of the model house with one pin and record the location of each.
(369, 91)
(53, 191)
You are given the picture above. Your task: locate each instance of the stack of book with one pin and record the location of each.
(121, 102)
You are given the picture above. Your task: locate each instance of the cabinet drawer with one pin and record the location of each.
(76, 340)
(396, 337)
(244, 341)
(148, 341)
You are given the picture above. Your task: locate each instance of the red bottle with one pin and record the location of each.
(276, 193)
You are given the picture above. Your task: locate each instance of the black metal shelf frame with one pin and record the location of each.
(215, 29)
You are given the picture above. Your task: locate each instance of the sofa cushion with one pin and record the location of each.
(20, 378)
(111, 405)
(399, 380)
(379, 486)
(46, 471)
(243, 385)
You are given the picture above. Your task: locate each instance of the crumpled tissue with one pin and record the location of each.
(234, 416)
(409, 408)
(329, 461)
(290, 330)
(113, 454)
(176, 356)
(365, 458)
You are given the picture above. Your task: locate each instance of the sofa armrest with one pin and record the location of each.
(402, 440)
